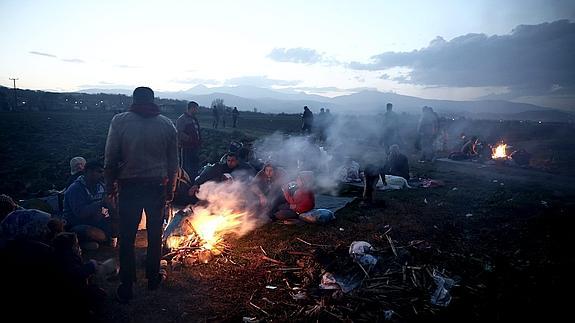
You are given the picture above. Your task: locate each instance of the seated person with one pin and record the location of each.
(87, 208)
(267, 186)
(28, 267)
(468, 151)
(183, 185)
(7, 205)
(74, 274)
(396, 163)
(77, 165)
(299, 196)
(240, 171)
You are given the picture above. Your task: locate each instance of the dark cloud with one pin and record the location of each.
(296, 55)
(531, 60)
(42, 54)
(259, 81)
(72, 60)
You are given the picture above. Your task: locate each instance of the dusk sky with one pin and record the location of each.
(460, 50)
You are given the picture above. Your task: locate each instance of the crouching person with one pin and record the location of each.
(299, 196)
(87, 209)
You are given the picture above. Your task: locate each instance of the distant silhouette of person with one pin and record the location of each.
(321, 124)
(390, 128)
(307, 120)
(189, 139)
(235, 115)
(216, 114)
(141, 160)
(427, 130)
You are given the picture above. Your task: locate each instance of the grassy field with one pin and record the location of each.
(503, 233)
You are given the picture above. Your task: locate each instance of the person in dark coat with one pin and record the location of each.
(397, 163)
(189, 139)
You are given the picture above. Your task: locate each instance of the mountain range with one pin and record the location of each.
(364, 102)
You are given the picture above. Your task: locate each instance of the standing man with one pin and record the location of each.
(307, 120)
(235, 115)
(390, 128)
(141, 161)
(189, 139)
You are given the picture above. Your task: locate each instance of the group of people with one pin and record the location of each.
(317, 125)
(222, 114)
(43, 266)
(149, 162)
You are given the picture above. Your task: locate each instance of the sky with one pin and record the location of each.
(519, 50)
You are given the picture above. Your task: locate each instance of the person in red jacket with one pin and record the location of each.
(299, 196)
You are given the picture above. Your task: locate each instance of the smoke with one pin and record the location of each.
(335, 142)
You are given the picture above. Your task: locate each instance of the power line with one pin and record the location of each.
(15, 96)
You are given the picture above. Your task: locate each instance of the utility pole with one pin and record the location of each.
(15, 97)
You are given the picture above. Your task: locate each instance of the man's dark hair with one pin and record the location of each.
(193, 104)
(93, 165)
(389, 106)
(232, 154)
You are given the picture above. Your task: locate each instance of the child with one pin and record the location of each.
(299, 196)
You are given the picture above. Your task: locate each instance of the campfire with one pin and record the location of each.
(196, 234)
(499, 152)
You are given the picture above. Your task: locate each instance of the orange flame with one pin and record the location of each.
(211, 227)
(499, 151)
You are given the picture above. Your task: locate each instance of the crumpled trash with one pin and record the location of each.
(359, 248)
(317, 216)
(360, 251)
(441, 296)
(345, 284)
(430, 183)
(299, 295)
(179, 224)
(388, 314)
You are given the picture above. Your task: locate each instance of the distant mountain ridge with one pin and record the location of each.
(364, 102)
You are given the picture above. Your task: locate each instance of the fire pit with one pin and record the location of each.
(196, 236)
(499, 154)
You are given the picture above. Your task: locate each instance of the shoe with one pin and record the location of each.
(124, 293)
(154, 283)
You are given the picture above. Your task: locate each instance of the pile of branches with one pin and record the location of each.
(323, 282)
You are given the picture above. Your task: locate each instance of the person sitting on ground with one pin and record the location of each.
(28, 270)
(74, 275)
(87, 208)
(267, 186)
(239, 170)
(7, 205)
(397, 163)
(183, 185)
(77, 165)
(299, 196)
(470, 148)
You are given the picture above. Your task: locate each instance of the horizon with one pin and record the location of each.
(445, 50)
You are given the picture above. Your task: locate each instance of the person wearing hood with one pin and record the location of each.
(141, 162)
(299, 196)
(86, 208)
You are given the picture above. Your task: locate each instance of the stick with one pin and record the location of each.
(313, 244)
(265, 253)
(360, 266)
(300, 253)
(272, 260)
(332, 314)
(288, 269)
(259, 308)
(391, 244)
